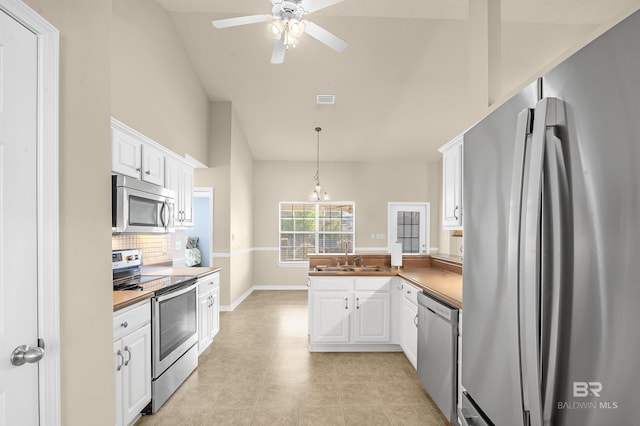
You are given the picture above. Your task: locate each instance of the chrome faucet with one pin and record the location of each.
(346, 253)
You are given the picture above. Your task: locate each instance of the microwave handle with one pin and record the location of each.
(163, 214)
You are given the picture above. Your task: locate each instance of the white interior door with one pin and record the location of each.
(18, 210)
(409, 225)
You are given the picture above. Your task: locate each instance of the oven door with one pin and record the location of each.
(174, 326)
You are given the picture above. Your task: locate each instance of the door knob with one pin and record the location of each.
(26, 353)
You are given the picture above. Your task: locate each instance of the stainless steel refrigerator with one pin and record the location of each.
(551, 282)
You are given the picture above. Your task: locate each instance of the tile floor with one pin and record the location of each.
(259, 371)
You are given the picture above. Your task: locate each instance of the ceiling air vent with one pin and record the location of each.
(326, 99)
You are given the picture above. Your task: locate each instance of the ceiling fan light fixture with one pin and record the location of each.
(296, 27)
(289, 39)
(276, 28)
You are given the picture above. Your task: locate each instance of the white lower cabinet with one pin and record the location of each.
(208, 309)
(409, 330)
(132, 361)
(372, 319)
(330, 316)
(406, 318)
(349, 310)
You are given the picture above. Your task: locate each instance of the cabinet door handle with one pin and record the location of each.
(138, 169)
(119, 355)
(357, 303)
(454, 212)
(126, 349)
(401, 287)
(346, 303)
(415, 320)
(124, 324)
(148, 172)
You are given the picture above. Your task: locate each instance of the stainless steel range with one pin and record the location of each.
(173, 322)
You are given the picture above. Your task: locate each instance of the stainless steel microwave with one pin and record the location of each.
(140, 207)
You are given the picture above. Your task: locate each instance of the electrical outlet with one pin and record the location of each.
(165, 247)
(178, 245)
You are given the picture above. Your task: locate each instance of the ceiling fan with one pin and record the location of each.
(286, 25)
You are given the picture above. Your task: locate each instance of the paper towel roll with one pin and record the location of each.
(396, 255)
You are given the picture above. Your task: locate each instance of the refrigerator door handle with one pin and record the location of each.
(546, 115)
(518, 188)
(556, 192)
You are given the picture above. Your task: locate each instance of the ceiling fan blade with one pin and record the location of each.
(313, 5)
(241, 20)
(324, 36)
(279, 49)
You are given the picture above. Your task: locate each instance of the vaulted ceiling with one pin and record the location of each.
(401, 86)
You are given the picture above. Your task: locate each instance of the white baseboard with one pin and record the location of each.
(350, 347)
(280, 287)
(234, 305)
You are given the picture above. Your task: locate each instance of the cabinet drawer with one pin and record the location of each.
(215, 278)
(410, 292)
(373, 283)
(206, 285)
(332, 283)
(131, 319)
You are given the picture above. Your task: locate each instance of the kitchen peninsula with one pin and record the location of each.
(438, 275)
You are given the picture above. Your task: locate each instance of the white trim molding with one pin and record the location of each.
(227, 255)
(48, 201)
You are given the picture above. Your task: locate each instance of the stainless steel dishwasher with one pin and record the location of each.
(437, 353)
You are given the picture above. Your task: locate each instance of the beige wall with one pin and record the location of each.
(85, 203)
(241, 212)
(370, 185)
(231, 175)
(155, 89)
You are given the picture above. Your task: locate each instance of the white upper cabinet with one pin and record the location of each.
(126, 153)
(135, 155)
(452, 184)
(179, 178)
(152, 165)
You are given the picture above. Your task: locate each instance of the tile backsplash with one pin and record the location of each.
(156, 248)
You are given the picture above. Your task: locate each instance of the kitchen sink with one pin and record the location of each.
(350, 268)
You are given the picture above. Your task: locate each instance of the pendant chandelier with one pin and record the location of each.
(318, 193)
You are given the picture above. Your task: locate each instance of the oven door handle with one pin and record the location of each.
(176, 293)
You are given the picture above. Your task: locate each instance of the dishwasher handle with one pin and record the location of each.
(437, 307)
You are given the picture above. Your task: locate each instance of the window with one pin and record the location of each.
(315, 228)
(409, 225)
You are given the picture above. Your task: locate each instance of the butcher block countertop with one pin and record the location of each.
(439, 275)
(123, 299)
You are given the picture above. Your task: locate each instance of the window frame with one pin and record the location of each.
(317, 232)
